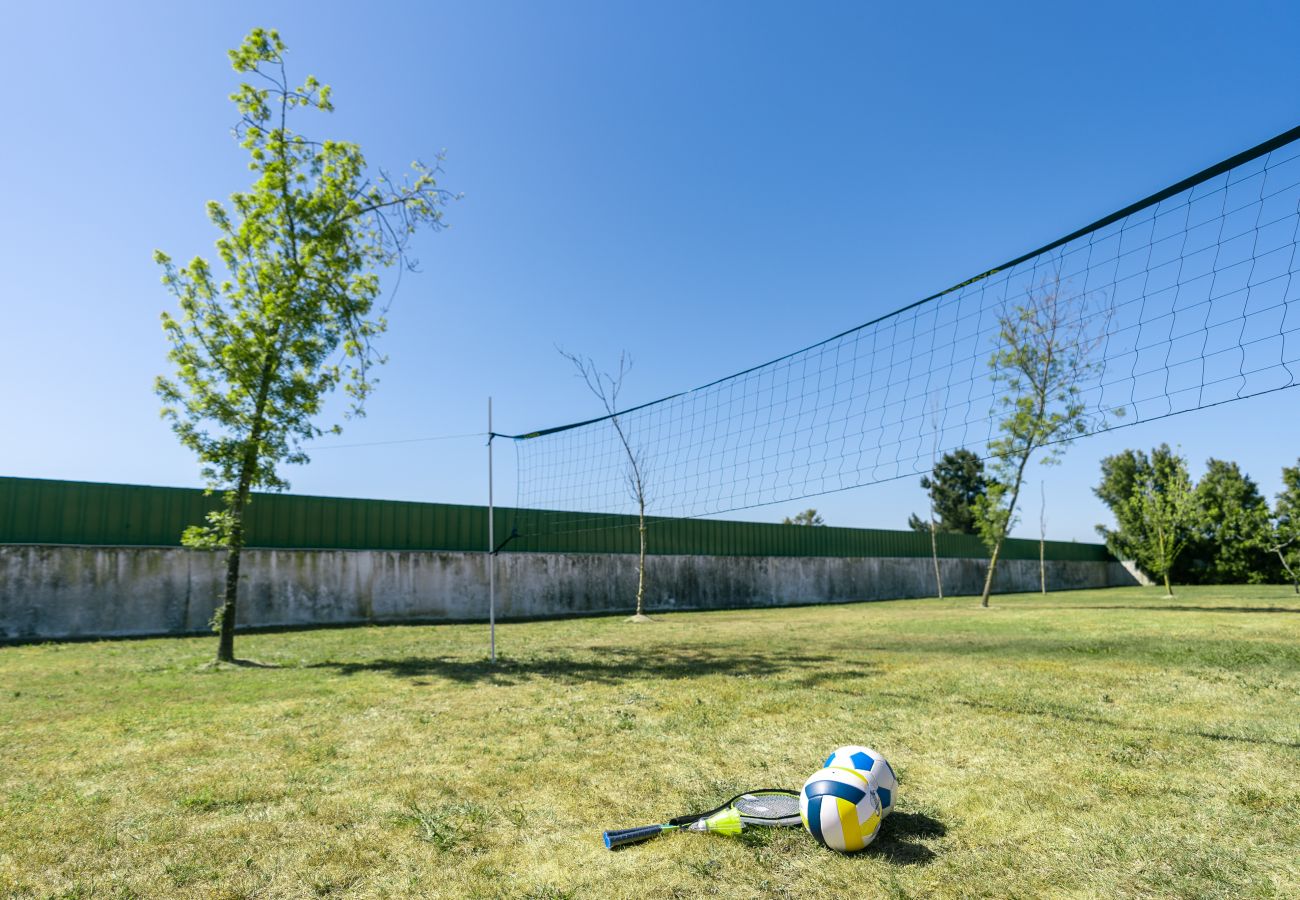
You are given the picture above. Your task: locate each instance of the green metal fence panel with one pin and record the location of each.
(39, 511)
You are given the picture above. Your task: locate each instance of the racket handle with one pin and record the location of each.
(631, 835)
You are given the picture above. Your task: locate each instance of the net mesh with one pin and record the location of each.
(1186, 300)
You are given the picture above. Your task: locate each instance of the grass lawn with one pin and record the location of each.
(1096, 743)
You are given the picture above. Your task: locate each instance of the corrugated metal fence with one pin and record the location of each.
(39, 511)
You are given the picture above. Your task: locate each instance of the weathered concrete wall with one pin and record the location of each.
(75, 591)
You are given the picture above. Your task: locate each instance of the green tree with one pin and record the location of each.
(1284, 539)
(1120, 475)
(258, 349)
(1045, 353)
(957, 482)
(807, 517)
(1159, 514)
(1233, 534)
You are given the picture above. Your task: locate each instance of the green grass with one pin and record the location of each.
(1098, 743)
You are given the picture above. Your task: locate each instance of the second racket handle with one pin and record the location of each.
(631, 835)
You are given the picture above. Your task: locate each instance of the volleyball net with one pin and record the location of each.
(1189, 298)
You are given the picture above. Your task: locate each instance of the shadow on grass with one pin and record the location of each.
(899, 834)
(843, 680)
(611, 666)
(217, 665)
(898, 841)
(1211, 648)
(1066, 715)
(1209, 609)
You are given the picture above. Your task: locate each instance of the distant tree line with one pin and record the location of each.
(1219, 530)
(1223, 528)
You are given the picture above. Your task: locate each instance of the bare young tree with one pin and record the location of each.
(934, 461)
(1281, 548)
(1042, 538)
(1046, 352)
(1284, 524)
(607, 387)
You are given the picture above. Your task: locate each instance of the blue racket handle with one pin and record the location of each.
(631, 835)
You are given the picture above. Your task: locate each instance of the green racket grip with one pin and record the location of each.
(633, 835)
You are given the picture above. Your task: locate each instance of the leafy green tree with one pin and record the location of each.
(1284, 539)
(807, 517)
(1045, 353)
(258, 347)
(957, 482)
(1161, 511)
(1233, 531)
(1121, 478)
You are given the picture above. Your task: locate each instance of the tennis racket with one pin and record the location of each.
(769, 808)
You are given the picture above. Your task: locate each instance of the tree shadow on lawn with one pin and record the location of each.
(1080, 716)
(1209, 609)
(217, 665)
(1209, 649)
(613, 665)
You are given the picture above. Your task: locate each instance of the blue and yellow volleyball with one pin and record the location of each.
(872, 766)
(840, 809)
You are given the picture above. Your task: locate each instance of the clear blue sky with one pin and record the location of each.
(707, 185)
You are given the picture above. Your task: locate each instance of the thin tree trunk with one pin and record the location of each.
(1165, 547)
(226, 642)
(1042, 542)
(988, 578)
(934, 453)
(934, 551)
(997, 549)
(235, 549)
(640, 582)
(1042, 566)
(1295, 582)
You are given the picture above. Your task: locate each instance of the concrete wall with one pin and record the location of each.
(65, 591)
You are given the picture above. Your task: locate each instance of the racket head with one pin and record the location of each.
(764, 807)
(771, 808)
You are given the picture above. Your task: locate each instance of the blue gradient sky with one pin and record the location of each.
(707, 185)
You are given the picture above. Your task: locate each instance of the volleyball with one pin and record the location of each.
(840, 809)
(874, 767)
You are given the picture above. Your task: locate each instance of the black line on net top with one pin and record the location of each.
(1179, 187)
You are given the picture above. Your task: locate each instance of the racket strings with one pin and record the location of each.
(768, 807)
